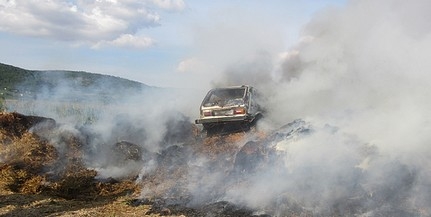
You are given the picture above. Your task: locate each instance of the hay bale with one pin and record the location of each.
(32, 165)
(23, 159)
(16, 124)
(29, 152)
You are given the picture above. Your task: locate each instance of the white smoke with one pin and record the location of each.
(362, 68)
(104, 114)
(366, 73)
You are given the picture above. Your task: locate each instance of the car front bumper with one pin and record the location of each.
(224, 119)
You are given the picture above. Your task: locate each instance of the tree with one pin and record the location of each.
(2, 103)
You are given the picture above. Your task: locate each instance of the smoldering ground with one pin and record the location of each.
(358, 83)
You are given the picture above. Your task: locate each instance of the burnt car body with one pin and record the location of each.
(230, 105)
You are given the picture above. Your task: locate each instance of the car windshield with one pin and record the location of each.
(225, 97)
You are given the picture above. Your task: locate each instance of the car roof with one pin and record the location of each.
(232, 87)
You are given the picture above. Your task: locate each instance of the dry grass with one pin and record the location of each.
(24, 157)
(215, 145)
(36, 181)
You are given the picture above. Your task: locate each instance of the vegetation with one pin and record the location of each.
(17, 83)
(77, 94)
(10, 76)
(2, 104)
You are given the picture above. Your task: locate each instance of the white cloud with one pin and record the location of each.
(127, 41)
(92, 22)
(174, 5)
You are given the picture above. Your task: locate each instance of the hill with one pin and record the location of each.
(16, 82)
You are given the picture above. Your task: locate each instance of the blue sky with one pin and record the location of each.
(168, 43)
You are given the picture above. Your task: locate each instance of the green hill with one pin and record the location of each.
(65, 85)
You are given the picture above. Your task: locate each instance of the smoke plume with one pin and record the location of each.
(361, 68)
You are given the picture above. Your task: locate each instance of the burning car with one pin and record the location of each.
(230, 105)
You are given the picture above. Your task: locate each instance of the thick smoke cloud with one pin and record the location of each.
(368, 73)
(362, 68)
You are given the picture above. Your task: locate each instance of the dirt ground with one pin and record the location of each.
(19, 204)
